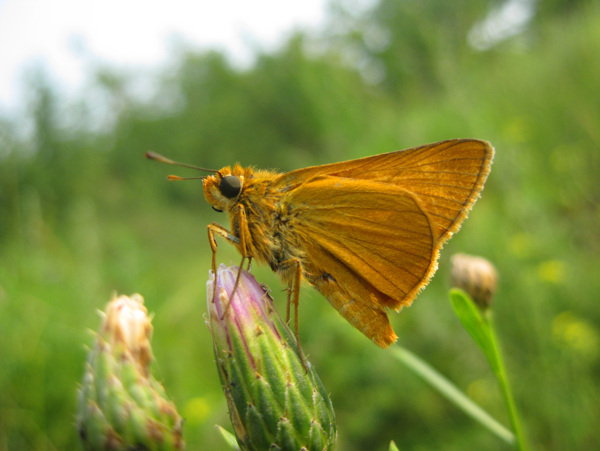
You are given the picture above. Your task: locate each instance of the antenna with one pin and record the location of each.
(176, 178)
(158, 157)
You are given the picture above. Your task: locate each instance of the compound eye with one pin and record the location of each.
(230, 186)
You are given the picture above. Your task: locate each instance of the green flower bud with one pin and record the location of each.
(275, 398)
(121, 405)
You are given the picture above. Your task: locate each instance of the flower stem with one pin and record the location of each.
(451, 392)
(499, 369)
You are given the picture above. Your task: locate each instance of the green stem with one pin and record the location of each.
(499, 368)
(449, 390)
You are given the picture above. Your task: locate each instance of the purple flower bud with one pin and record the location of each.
(275, 398)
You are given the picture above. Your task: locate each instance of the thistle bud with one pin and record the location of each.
(275, 398)
(477, 276)
(121, 405)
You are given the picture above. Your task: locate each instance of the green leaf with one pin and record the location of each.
(393, 446)
(470, 316)
(229, 437)
(481, 328)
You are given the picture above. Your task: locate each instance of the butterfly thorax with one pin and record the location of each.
(259, 216)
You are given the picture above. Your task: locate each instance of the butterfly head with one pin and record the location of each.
(223, 189)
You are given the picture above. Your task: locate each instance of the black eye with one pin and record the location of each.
(217, 210)
(230, 186)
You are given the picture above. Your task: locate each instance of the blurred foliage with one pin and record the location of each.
(83, 214)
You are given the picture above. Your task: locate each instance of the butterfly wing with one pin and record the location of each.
(446, 177)
(368, 246)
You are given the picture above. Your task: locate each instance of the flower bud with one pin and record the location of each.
(121, 405)
(477, 276)
(275, 398)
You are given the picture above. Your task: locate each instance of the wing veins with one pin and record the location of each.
(371, 221)
(365, 262)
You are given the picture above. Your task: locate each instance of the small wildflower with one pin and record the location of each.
(477, 276)
(121, 405)
(275, 398)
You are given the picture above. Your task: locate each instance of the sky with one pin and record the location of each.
(63, 36)
(68, 38)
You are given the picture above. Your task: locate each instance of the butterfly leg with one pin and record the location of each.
(215, 229)
(294, 294)
(242, 242)
(293, 269)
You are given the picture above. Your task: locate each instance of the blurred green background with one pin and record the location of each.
(83, 215)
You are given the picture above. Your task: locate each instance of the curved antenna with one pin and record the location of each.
(176, 178)
(158, 157)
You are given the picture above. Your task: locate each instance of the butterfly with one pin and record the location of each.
(366, 233)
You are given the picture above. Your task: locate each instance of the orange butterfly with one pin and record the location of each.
(366, 233)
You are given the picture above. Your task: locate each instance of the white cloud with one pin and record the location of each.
(509, 19)
(61, 34)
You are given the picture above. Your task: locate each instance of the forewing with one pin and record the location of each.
(369, 237)
(446, 177)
